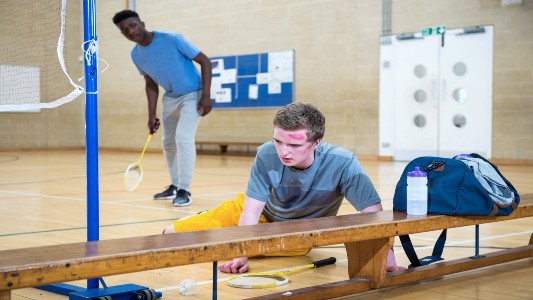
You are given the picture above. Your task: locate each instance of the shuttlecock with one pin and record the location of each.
(188, 287)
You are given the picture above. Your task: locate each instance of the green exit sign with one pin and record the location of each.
(434, 30)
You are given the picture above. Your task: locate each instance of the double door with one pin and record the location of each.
(436, 94)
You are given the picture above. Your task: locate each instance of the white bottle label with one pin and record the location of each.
(417, 196)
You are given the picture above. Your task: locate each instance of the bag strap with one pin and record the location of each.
(436, 255)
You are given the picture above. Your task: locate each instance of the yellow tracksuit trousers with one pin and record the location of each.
(226, 214)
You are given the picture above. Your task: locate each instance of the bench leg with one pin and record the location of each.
(368, 259)
(531, 239)
(5, 295)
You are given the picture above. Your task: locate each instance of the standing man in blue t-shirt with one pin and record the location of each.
(166, 59)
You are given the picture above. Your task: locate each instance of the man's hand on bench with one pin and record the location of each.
(237, 265)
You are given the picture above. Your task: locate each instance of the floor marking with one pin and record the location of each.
(84, 227)
(105, 202)
(431, 239)
(473, 241)
(109, 202)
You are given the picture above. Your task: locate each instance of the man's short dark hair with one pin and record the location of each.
(123, 15)
(298, 115)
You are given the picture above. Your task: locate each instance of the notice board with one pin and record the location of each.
(260, 80)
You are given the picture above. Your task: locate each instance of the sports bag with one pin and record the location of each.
(467, 184)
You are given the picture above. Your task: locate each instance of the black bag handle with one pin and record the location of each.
(436, 255)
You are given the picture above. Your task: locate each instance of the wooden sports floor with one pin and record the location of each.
(43, 202)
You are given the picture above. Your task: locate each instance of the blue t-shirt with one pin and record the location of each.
(315, 192)
(168, 61)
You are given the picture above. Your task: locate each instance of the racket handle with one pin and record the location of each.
(324, 262)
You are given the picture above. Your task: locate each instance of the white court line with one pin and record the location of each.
(41, 195)
(121, 202)
(473, 241)
(430, 239)
(102, 202)
(175, 287)
(222, 197)
(346, 260)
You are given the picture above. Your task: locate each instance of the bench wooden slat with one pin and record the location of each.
(352, 286)
(62, 263)
(323, 291)
(439, 269)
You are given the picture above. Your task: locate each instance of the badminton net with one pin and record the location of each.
(33, 71)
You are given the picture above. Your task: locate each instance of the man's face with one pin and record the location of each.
(133, 29)
(293, 148)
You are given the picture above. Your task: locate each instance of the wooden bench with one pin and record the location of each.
(250, 146)
(367, 237)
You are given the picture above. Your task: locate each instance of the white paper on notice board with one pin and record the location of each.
(223, 96)
(216, 85)
(253, 91)
(262, 78)
(228, 76)
(217, 65)
(280, 66)
(274, 88)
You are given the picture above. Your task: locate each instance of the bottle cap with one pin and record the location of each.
(417, 173)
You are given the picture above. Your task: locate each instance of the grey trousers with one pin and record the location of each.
(180, 121)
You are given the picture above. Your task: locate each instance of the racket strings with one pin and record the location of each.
(132, 177)
(265, 276)
(272, 279)
(258, 280)
(134, 172)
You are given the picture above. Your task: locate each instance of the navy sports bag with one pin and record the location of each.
(464, 185)
(467, 185)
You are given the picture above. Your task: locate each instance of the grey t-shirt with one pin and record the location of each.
(315, 192)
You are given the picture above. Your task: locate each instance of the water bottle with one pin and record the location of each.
(417, 192)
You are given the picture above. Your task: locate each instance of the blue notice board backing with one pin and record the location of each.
(259, 80)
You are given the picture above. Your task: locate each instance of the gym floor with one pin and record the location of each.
(43, 202)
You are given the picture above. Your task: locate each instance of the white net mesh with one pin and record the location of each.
(33, 72)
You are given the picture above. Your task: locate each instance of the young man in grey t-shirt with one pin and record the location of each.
(294, 176)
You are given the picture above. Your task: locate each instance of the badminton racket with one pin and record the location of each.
(261, 280)
(134, 172)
